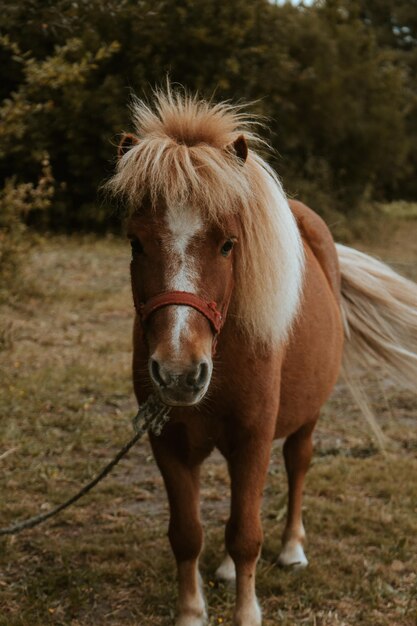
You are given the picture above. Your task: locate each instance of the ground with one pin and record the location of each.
(65, 405)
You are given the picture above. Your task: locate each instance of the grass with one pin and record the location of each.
(65, 407)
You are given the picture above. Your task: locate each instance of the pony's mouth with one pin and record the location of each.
(180, 397)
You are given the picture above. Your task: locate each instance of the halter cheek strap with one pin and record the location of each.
(209, 309)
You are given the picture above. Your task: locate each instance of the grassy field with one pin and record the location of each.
(65, 407)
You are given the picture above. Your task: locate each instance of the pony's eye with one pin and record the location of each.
(227, 247)
(136, 246)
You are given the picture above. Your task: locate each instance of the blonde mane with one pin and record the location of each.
(183, 158)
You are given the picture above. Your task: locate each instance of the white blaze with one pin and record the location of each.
(183, 225)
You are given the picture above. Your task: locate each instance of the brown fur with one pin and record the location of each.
(263, 385)
(280, 350)
(252, 399)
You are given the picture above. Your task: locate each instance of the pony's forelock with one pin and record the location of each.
(184, 157)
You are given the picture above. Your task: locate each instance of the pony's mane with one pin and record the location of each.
(183, 158)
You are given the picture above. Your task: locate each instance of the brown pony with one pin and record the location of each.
(243, 305)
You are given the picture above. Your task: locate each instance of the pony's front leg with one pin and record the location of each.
(185, 530)
(248, 466)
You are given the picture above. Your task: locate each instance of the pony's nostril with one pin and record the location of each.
(203, 374)
(197, 378)
(160, 377)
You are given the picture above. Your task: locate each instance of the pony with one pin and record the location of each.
(244, 309)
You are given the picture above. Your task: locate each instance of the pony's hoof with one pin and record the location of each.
(249, 616)
(226, 572)
(188, 619)
(292, 555)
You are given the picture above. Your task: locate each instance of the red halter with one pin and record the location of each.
(210, 311)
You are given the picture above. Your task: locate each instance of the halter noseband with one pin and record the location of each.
(209, 309)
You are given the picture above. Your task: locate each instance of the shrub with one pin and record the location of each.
(17, 201)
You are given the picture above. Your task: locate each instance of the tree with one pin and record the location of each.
(334, 80)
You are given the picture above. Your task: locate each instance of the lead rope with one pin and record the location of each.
(152, 417)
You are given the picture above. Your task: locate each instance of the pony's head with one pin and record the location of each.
(209, 225)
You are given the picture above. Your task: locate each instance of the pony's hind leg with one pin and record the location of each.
(226, 571)
(185, 530)
(298, 449)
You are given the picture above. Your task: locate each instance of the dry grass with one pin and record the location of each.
(65, 405)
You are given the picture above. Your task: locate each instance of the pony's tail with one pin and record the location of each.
(379, 309)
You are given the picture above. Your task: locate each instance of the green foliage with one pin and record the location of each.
(52, 110)
(346, 121)
(335, 81)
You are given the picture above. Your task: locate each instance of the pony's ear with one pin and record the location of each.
(239, 148)
(127, 141)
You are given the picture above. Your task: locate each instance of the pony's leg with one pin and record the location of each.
(226, 570)
(185, 532)
(298, 449)
(248, 467)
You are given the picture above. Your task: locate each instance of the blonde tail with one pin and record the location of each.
(379, 309)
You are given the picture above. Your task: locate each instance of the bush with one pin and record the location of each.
(17, 202)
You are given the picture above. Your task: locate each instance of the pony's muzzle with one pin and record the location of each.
(177, 386)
